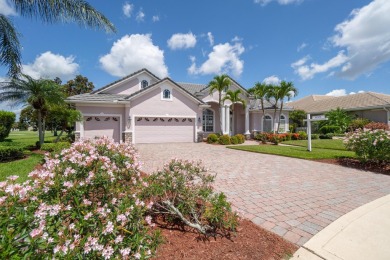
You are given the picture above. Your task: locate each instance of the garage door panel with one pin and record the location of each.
(100, 126)
(164, 131)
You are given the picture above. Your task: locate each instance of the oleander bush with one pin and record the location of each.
(370, 145)
(212, 138)
(182, 193)
(10, 153)
(224, 140)
(83, 203)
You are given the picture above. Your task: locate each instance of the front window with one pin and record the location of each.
(267, 124)
(208, 120)
(144, 84)
(282, 127)
(167, 94)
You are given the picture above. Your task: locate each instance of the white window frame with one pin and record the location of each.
(142, 83)
(262, 122)
(203, 121)
(163, 89)
(285, 124)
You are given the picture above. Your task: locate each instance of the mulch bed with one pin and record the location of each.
(249, 242)
(354, 163)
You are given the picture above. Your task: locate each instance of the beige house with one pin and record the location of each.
(370, 105)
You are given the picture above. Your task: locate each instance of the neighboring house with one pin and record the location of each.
(142, 108)
(370, 105)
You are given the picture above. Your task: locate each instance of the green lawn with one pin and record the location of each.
(20, 167)
(25, 139)
(335, 144)
(295, 151)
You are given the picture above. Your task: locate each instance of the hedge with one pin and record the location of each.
(10, 153)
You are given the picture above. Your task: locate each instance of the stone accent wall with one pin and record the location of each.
(127, 137)
(199, 137)
(77, 136)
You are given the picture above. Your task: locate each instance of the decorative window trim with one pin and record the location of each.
(163, 89)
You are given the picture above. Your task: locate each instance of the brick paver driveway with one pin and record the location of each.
(291, 197)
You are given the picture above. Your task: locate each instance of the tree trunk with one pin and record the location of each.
(280, 113)
(40, 134)
(58, 136)
(273, 123)
(220, 111)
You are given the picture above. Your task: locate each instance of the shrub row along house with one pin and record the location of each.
(142, 108)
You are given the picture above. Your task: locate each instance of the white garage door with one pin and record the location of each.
(97, 126)
(164, 130)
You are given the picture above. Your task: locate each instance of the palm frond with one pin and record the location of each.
(9, 47)
(53, 11)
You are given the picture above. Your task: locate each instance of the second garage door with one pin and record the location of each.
(164, 130)
(97, 126)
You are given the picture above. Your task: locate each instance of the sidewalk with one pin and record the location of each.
(363, 233)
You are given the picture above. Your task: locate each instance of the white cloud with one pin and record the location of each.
(140, 16)
(6, 9)
(281, 2)
(225, 58)
(366, 36)
(182, 41)
(49, 65)
(210, 37)
(274, 80)
(337, 93)
(155, 18)
(301, 47)
(127, 9)
(309, 71)
(132, 53)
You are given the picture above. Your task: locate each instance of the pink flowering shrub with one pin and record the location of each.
(83, 203)
(182, 193)
(370, 145)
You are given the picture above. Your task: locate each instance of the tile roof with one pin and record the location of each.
(255, 104)
(360, 101)
(126, 77)
(191, 87)
(96, 98)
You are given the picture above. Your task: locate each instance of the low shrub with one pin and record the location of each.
(6, 120)
(358, 123)
(295, 136)
(275, 139)
(212, 138)
(326, 136)
(377, 125)
(288, 136)
(55, 147)
(10, 153)
(315, 136)
(302, 135)
(234, 140)
(224, 140)
(83, 203)
(262, 137)
(241, 138)
(326, 129)
(182, 193)
(370, 145)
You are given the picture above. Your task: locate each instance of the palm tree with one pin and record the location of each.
(220, 84)
(273, 97)
(285, 90)
(234, 97)
(260, 91)
(49, 11)
(37, 93)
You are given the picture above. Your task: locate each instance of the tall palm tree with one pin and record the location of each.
(37, 93)
(285, 90)
(220, 83)
(273, 98)
(234, 97)
(49, 11)
(260, 91)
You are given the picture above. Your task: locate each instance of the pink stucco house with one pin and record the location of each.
(142, 108)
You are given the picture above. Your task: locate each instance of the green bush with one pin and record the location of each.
(182, 193)
(6, 120)
(302, 135)
(224, 140)
(262, 137)
(55, 147)
(241, 138)
(326, 136)
(82, 204)
(212, 138)
(370, 145)
(315, 136)
(10, 153)
(358, 123)
(326, 129)
(234, 140)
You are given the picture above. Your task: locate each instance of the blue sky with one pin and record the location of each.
(323, 46)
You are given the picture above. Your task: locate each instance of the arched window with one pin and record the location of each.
(144, 84)
(208, 120)
(167, 94)
(267, 127)
(282, 124)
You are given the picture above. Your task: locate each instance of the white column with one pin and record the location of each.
(247, 121)
(308, 133)
(227, 111)
(81, 128)
(222, 116)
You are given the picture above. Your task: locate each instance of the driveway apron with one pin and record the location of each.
(293, 198)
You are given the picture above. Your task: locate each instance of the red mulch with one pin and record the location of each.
(249, 242)
(382, 168)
